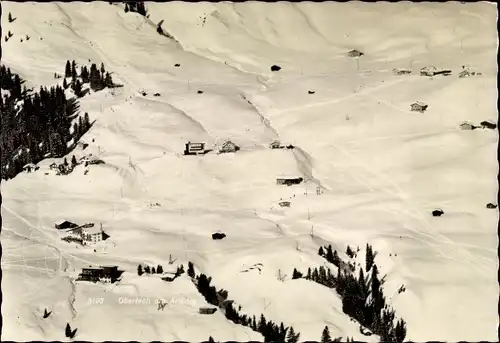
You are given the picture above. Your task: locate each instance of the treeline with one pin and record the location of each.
(136, 6)
(271, 331)
(97, 79)
(362, 295)
(35, 125)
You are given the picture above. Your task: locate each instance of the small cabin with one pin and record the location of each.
(488, 125)
(399, 71)
(437, 213)
(194, 148)
(491, 206)
(275, 145)
(467, 126)
(218, 235)
(428, 71)
(355, 53)
(275, 68)
(284, 203)
(418, 107)
(207, 310)
(289, 181)
(54, 166)
(30, 167)
(228, 146)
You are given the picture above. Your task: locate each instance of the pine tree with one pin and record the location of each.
(126, 8)
(190, 270)
(74, 74)
(65, 84)
(261, 326)
(329, 254)
(159, 269)
(321, 252)
(308, 277)
(349, 252)
(296, 274)
(73, 161)
(147, 270)
(336, 259)
(67, 72)
(325, 336)
(210, 339)
(292, 337)
(370, 257)
(65, 162)
(139, 270)
(86, 121)
(400, 331)
(10, 18)
(108, 81)
(153, 270)
(68, 330)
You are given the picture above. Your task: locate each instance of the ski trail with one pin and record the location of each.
(337, 100)
(467, 257)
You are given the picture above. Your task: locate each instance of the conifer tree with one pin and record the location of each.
(210, 339)
(74, 74)
(139, 270)
(153, 270)
(159, 269)
(147, 270)
(65, 84)
(190, 270)
(65, 162)
(73, 161)
(10, 18)
(126, 8)
(67, 71)
(329, 254)
(321, 252)
(292, 337)
(325, 336)
(68, 330)
(86, 121)
(102, 68)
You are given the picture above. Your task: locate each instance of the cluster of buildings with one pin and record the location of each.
(84, 234)
(106, 274)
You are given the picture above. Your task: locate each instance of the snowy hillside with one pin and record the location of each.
(373, 170)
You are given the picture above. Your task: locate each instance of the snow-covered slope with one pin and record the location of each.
(382, 168)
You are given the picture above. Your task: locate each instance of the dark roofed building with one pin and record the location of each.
(66, 225)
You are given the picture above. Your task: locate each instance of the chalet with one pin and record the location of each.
(467, 126)
(194, 148)
(54, 166)
(275, 145)
(218, 235)
(418, 106)
(465, 73)
(207, 310)
(228, 146)
(488, 125)
(107, 274)
(400, 71)
(284, 203)
(289, 181)
(65, 225)
(275, 68)
(355, 53)
(92, 235)
(30, 167)
(428, 71)
(491, 206)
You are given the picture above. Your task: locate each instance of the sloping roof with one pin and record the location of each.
(419, 103)
(93, 229)
(31, 165)
(66, 225)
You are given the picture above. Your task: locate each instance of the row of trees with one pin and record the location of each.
(149, 270)
(35, 125)
(271, 331)
(362, 295)
(97, 79)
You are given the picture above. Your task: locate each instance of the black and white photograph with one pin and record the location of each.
(249, 171)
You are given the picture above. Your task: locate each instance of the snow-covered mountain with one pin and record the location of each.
(380, 168)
